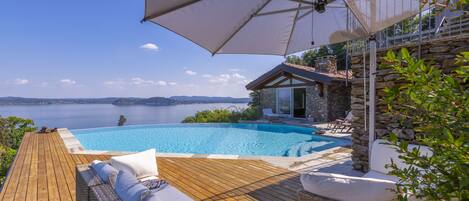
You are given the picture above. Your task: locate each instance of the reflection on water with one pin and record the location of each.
(76, 116)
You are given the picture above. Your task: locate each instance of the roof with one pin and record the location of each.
(298, 70)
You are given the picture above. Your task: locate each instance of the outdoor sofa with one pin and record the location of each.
(374, 185)
(90, 185)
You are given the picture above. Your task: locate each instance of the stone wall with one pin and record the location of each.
(316, 106)
(442, 52)
(338, 99)
(333, 103)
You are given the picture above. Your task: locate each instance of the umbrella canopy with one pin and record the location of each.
(275, 27)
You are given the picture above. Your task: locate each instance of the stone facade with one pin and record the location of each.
(330, 105)
(441, 51)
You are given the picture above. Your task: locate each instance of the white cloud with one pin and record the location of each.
(237, 75)
(207, 75)
(20, 81)
(68, 81)
(225, 76)
(189, 72)
(161, 83)
(172, 83)
(244, 82)
(150, 46)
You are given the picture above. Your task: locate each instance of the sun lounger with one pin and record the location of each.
(267, 112)
(374, 185)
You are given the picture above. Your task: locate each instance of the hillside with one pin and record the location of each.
(153, 101)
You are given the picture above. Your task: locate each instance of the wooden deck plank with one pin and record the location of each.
(31, 194)
(42, 194)
(15, 172)
(44, 170)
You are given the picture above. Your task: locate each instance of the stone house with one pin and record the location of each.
(319, 93)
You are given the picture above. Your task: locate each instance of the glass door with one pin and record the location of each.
(284, 101)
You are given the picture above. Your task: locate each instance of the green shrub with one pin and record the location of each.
(6, 158)
(12, 130)
(223, 116)
(436, 105)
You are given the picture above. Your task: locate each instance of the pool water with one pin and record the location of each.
(230, 139)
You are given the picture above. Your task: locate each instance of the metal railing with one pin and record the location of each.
(434, 25)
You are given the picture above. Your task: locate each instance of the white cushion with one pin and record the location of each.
(341, 187)
(378, 175)
(168, 193)
(142, 164)
(382, 154)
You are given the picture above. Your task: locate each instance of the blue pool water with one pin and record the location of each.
(232, 139)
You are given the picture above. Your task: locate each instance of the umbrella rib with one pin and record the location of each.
(292, 29)
(168, 11)
(356, 16)
(240, 27)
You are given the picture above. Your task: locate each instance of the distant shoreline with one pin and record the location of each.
(153, 101)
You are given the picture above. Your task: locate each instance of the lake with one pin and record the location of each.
(75, 116)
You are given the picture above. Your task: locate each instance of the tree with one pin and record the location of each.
(436, 105)
(309, 57)
(12, 130)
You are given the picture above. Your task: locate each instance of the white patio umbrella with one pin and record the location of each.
(280, 27)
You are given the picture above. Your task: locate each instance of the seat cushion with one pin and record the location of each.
(141, 165)
(103, 170)
(378, 175)
(341, 187)
(128, 188)
(168, 193)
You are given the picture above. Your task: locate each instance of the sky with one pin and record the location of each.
(89, 48)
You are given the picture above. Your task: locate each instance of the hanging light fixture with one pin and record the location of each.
(320, 6)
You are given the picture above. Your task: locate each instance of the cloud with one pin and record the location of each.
(237, 75)
(20, 81)
(207, 75)
(150, 46)
(189, 72)
(228, 78)
(137, 81)
(68, 81)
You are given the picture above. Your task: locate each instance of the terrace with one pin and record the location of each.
(45, 170)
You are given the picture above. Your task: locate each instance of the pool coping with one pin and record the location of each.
(74, 146)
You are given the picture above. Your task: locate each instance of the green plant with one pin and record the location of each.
(6, 157)
(12, 130)
(223, 116)
(436, 106)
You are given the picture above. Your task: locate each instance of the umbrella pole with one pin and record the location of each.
(372, 95)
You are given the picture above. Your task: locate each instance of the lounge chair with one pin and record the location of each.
(268, 113)
(374, 185)
(342, 124)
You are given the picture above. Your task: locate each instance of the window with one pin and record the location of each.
(284, 96)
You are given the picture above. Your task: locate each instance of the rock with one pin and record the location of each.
(391, 77)
(439, 49)
(382, 85)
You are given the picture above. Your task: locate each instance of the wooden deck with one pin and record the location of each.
(44, 170)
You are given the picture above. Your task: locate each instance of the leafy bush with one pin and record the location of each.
(223, 116)
(6, 157)
(437, 106)
(12, 130)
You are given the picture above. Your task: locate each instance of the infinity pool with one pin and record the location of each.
(230, 139)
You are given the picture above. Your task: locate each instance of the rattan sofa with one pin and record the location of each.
(89, 186)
